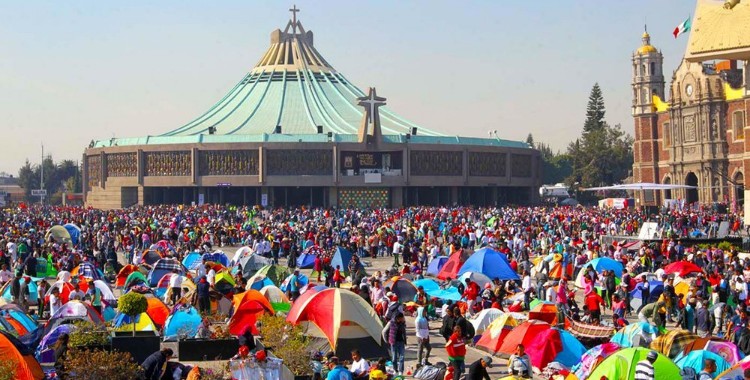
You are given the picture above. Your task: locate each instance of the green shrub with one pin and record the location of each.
(86, 333)
(132, 305)
(287, 342)
(97, 365)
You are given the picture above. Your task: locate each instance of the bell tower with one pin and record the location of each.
(648, 78)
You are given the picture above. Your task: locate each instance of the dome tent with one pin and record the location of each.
(343, 319)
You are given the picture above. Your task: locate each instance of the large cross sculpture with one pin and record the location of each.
(371, 102)
(294, 11)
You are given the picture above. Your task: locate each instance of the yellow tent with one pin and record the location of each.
(142, 323)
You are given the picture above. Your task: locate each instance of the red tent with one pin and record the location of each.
(247, 306)
(452, 266)
(494, 335)
(525, 334)
(682, 268)
(124, 273)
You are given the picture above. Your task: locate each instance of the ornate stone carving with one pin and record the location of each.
(228, 162)
(299, 162)
(688, 127)
(361, 198)
(93, 171)
(520, 165)
(167, 164)
(487, 164)
(122, 165)
(432, 163)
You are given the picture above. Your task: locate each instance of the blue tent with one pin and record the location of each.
(490, 263)
(306, 260)
(341, 257)
(183, 322)
(572, 349)
(303, 280)
(428, 284)
(75, 233)
(217, 257)
(695, 359)
(605, 263)
(108, 313)
(436, 264)
(655, 290)
(33, 296)
(258, 285)
(192, 260)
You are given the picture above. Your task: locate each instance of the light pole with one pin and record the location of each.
(41, 177)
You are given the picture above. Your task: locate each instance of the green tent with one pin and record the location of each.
(134, 277)
(275, 273)
(621, 365)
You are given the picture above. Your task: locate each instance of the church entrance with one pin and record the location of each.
(691, 195)
(739, 191)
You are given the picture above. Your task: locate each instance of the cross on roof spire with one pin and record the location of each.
(294, 11)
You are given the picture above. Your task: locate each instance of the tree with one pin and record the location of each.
(530, 140)
(603, 154)
(132, 304)
(595, 111)
(99, 364)
(58, 177)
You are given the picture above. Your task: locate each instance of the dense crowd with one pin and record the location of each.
(533, 239)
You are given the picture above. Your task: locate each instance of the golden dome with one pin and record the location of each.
(645, 49)
(645, 35)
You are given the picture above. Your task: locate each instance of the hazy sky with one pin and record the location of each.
(75, 71)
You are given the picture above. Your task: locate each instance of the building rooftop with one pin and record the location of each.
(720, 30)
(305, 138)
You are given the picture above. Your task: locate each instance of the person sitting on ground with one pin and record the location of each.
(337, 371)
(359, 367)
(519, 363)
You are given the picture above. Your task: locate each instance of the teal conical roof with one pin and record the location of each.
(294, 87)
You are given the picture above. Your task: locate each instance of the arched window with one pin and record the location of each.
(643, 69)
(652, 69)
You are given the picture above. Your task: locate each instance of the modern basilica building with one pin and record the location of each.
(294, 131)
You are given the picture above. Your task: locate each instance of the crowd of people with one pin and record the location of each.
(712, 304)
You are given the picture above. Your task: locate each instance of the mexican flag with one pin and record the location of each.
(682, 28)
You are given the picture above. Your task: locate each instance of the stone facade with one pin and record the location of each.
(696, 136)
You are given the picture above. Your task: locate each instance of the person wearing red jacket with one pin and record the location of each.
(456, 349)
(594, 302)
(470, 294)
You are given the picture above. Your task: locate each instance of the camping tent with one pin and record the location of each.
(247, 306)
(484, 318)
(162, 267)
(695, 360)
(452, 266)
(591, 358)
(74, 232)
(123, 274)
(673, 343)
(490, 263)
(32, 297)
(143, 322)
(258, 281)
(87, 270)
(72, 311)
(341, 258)
(344, 319)
(493, 336)
(184, 322)
(59, 234)
(217, 257)
(239, 253)
(621, 365)
(20, 324)
(306, 260)
(275, 273)
(13, 351)
(303, 280)
(192, 260)
(635, 334)
(135, 278)
(433, 268)
(403, 288)
(150, 256)
(45, 352)
(253, 264)
(476, 277)
(157, 310)
(599, 264)
(276, 297)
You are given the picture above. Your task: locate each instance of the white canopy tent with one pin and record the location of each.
(641, 186)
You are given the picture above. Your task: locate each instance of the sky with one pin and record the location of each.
(72, 72)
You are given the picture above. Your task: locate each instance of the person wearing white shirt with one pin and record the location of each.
(5, 275)
(550, 294)
(54, 301)
(12, 250)
(360, 368)
(211, 276)
(76, 294)
(175, 286)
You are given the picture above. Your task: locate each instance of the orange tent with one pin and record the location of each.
(247, 307)
(157, 310)
(26, 367)
(123, 274)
